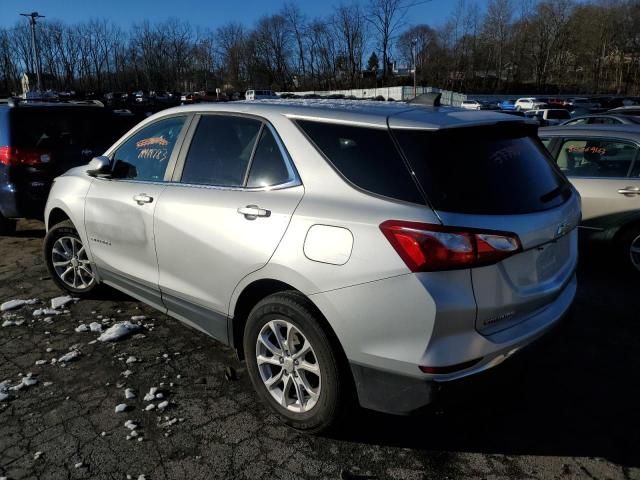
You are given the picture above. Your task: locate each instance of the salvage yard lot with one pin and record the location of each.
(566, 408)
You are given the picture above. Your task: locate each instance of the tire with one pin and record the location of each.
(628, 239)
(282, 310)
(62, 244)
(7, 225)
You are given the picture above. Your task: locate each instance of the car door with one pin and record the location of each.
(605, 172)
(119, 209)
(234, 193)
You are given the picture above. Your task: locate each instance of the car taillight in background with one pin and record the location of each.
(12, 156)
(427, 248)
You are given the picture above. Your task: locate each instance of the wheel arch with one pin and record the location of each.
(57, 215)
(259, 289)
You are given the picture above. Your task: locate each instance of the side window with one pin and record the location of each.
(220, 151)
(577, 121)
(268, 167)
(146, 154)
(605, 121)
(367, 157)
(596, 157)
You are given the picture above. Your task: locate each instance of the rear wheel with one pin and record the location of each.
(292, 363)
(67, 260)
(629, 247)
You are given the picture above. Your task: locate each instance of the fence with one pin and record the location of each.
(390, 93)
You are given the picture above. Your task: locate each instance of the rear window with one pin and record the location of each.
(63, 127)
(366, 157)
(558, 114)
(484, 170)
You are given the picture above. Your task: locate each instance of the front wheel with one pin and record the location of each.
(67, 260)
(292, 363)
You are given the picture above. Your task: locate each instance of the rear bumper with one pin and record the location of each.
(395, 385)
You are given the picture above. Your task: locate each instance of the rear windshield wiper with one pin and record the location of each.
(547, 197)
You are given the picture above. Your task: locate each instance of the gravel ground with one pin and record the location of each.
(567, 408)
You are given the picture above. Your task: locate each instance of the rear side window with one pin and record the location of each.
(596, 157)
(484, 170)
(268, 167)
(366, 157)
(220, 151)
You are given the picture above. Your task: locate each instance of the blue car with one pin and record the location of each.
(507, 105)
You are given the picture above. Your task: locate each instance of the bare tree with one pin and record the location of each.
(387, 17)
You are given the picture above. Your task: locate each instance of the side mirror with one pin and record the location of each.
(99, 167)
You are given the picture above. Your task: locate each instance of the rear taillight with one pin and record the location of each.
(426, 247)
(21, 156)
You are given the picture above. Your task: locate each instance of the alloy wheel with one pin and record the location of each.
(288, 366)
(71, 264)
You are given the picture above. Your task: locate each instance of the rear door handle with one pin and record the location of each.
(251, 212)
(629, 191)
(142, 198)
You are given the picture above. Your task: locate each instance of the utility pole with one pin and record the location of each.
(32, 21)
(414, 42)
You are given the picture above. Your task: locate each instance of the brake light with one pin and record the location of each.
(427, 248)
(12, 156)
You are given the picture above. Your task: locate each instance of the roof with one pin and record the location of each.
(631, 132)
(357, 112)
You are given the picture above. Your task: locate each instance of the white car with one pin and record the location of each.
(259, 95)
(528, 103)
(549, 116)
(471, 105)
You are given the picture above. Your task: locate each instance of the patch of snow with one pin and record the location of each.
(151, 395)
(131, 425)
(82, 328)
(126, 373)
(16, 303)
(79, 465)
(37, 455)
(138, 318)
(61, 301)
(163, 405)
(150, 407)
(45, 311)
(40, 362)
(122, 407)
(129, 394)
(118, 331)
(131, 359)
(68, 357)
(95, 327)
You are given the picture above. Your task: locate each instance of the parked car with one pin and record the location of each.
(629, 110)
(604, 119)
(507, 105)
(529, 103)
(602, 162)
(259, 95)
(580, 102)
(39, 141)
(548, 116)
(297, 233)
(471, 105)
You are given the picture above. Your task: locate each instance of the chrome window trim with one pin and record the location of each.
(293, 177)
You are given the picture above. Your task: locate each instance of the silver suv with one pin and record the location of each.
(341, 247)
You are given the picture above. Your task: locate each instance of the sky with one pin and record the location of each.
(205, 13)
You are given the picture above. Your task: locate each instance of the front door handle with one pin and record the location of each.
(142, 198)
(629, 191)
(251, 212)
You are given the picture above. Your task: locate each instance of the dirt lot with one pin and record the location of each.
(568, 408)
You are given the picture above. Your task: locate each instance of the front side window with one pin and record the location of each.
(596, 157)
(145, 155)
(220, 151)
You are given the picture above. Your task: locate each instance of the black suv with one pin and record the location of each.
(39, 141)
